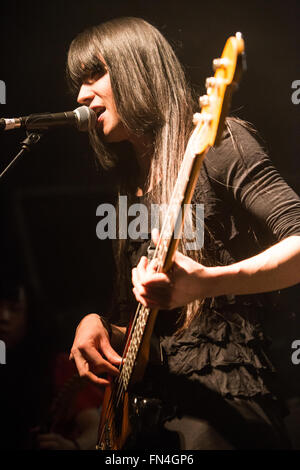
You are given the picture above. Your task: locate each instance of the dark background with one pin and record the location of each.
(49, 199)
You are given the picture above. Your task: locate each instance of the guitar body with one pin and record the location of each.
(116, 415)
(114, 427)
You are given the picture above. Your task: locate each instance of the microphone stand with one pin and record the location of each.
(32, 138)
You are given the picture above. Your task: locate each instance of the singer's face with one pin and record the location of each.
(97, 94)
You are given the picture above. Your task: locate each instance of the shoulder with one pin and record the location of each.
(238, 153)
(240, 140)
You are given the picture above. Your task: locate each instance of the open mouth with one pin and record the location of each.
(100, 113)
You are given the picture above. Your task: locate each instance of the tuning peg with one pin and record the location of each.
(196, 118)
(204, 100)
(220, 63)
(213, 81)
(202, 117)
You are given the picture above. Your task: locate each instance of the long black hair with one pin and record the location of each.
(152, 98)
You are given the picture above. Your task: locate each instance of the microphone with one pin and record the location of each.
(83, 118)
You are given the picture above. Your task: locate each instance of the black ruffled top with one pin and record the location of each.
(247, 207)
(225, 349)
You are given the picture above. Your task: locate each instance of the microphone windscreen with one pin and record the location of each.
(86, 118)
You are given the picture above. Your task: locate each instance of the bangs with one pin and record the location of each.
(83, 61)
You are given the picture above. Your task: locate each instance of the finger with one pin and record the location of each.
(95, 379)
(146, 301)
(159, 284)
(157, 293)
(100, 365)
(155, 235)
(135, 277)
(84, 371)
(140, 277)
(152, 267)
(158, 279)
(153, 297)
(136, 281)
(139, 289)
(140, 272)
(141, 268)
(109, 352)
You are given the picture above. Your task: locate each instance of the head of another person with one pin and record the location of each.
(13, 313)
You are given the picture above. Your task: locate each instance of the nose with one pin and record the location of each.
(85, 95)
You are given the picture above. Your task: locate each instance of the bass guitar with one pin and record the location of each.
(115, 425)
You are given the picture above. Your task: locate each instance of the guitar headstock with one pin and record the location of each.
(216, 102)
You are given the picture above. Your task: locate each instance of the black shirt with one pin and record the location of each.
(248, 207)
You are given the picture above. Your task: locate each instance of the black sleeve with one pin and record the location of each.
(240, 168)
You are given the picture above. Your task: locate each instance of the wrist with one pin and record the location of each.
(222, 280)
(106, 325)
(90, 317)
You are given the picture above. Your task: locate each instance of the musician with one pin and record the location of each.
(216, 383)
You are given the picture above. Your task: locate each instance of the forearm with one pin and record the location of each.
(275, 268)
